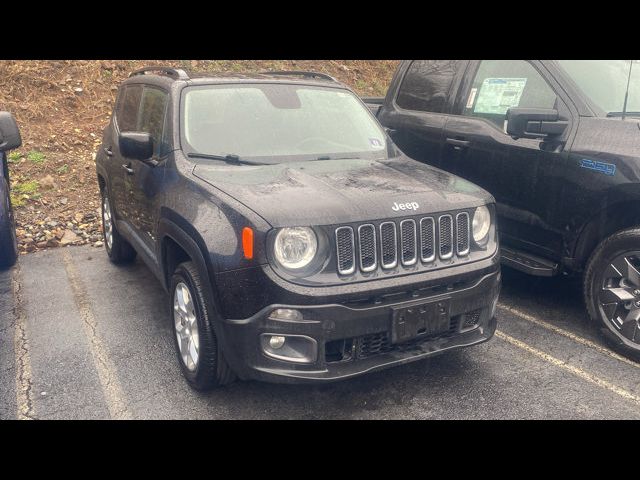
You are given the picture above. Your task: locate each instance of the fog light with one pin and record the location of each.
(290, 348)
(286, 314)
(276, 342)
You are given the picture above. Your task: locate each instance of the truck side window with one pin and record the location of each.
(502, 84)
(127, 108)
(151, 118)
(426, 85)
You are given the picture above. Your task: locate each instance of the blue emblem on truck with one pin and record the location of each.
(601, 167)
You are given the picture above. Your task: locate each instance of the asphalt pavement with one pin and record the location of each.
(81, 338)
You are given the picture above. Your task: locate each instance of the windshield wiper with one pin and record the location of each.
(230, 158)
(620, 114)
(327, 157)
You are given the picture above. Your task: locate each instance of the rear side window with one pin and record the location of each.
(426, 85)
(501, 84)
(151, 118)
(127, 108)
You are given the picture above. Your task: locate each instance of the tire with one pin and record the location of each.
(8, 240)
(211, 369)
(118, 249)
(617, 254)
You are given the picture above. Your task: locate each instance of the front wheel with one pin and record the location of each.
(612, 289)
(118, 249)
(201, 359)
(8, 240)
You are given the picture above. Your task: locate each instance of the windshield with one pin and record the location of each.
(605, 82)
(279, 120)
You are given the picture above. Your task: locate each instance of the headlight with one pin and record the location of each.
(481, 224)
(295, 248)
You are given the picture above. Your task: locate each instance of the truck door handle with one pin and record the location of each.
(128, 168)
(458, 144)
(108, 152)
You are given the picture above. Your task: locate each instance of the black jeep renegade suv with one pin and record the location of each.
(296, 241)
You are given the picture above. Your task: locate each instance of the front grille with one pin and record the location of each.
(371, 345)
(345, 250)
(446, 236)
(472, 318)
(408, 242)
(369, 247)
(388, 245)
(367, 243)
(427, 239)
(462, 237)
(366, 346)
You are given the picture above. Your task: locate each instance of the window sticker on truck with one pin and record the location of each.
(497, 95)
(472, 97)
(600, 167)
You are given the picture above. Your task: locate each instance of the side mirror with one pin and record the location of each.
(534, 123)
(9, 132)
(137, 145)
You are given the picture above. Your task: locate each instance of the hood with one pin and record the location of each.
(329, 192)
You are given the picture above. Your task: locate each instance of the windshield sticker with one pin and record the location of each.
(472, 97)
(497, 95)
(375, 143)
(600, 167)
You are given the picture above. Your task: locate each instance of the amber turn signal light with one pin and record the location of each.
(247, 242)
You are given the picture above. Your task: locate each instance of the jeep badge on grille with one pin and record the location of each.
(405, 206)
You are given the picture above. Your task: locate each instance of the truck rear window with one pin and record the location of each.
(426, 85)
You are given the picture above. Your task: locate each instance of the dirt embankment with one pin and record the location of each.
(62, 108)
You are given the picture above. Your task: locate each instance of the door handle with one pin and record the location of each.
(458, 144)
(128, 168)
(107, 151)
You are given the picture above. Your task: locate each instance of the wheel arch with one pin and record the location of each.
(609, 220)
(179, 241)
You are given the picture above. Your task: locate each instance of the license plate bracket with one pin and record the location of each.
(421, 319)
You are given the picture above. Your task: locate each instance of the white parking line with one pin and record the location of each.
(578, 372)
(111, 389)
(570, 335)
(24, 400)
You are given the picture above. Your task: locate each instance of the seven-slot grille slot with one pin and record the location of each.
(408, 242)
(462, 233)
(346, 250)
(445, 229)
(402, 242)
(367, 244)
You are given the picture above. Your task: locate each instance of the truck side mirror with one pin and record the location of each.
(534, 123)
(9, 132)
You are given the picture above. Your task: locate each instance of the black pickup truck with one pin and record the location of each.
(9, 139)
(296, 242)
(557, 143)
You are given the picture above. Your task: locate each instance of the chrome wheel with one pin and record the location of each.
(107, 222)
(186, 326)
(619, 297)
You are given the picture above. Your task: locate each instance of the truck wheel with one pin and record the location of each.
(118, 249)
(201, 360)
(8, 240)
(612, 289)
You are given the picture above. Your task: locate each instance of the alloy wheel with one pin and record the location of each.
(186, 326)
(619, 296)
(107, 222)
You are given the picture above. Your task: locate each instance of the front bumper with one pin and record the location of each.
(356, 337)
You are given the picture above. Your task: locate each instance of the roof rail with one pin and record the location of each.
(302, 73)
(175, 73)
